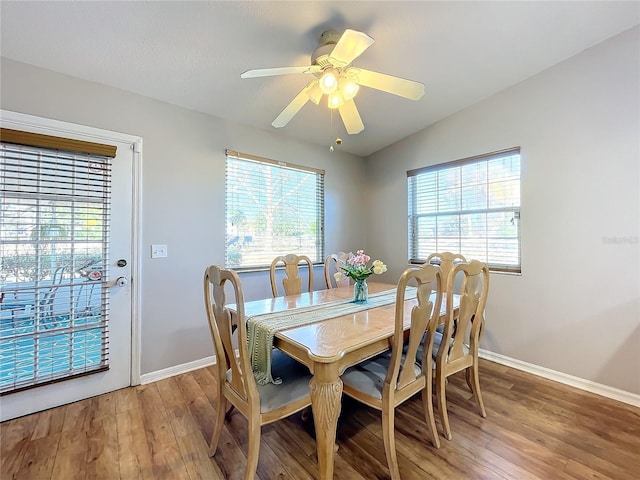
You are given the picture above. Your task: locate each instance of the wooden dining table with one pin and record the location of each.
(328, 347)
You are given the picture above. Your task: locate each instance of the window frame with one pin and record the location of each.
(318, 257)
(414, 255)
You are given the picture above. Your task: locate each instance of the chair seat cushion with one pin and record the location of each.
(295, 382)
(437, 339)
(368, 377)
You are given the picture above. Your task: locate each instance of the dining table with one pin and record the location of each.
(330, 346)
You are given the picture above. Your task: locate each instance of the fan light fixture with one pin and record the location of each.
(348, 88)
(337, 86)
(329, 81)
(336, 100)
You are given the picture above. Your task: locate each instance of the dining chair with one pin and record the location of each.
(446, 261)
(331, 266)
(386, 381)
(47, 304)
(236, 385)
(291, 282)
(454, 353)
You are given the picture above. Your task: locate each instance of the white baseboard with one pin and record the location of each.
(176, 370)
(582, 384)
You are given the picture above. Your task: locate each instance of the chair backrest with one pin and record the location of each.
(424, 318)
(292, 282)
(446, 261)
(473, 292)
(225, 325)
(331, 266)
(86, 302)
(47, 304)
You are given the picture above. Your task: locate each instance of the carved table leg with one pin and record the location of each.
(326, 394)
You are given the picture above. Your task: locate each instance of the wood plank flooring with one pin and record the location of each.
(535, 429)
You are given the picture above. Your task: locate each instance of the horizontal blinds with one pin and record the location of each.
(272, 208)
(54, 223)
(471, 207)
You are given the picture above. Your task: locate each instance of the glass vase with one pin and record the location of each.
(360, 291)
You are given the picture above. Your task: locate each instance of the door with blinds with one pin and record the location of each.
(66, 245)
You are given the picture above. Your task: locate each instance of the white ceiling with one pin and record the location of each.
(192, 53)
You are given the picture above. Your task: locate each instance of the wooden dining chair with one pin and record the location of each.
(291, 282)
(446, 261)
(331, 266)
(386, 381)
(454, 353)
(236, 385)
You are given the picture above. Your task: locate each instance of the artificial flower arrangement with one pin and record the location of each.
(355, 266)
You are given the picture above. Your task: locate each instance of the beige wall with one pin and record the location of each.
(575, 308)
(183, 195)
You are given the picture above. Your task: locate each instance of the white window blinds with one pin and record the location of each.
(54, 223)
(470, 206)
(272, 208)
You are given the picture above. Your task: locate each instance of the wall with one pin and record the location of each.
(183, 196)
(575, 308)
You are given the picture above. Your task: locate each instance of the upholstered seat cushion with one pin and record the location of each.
(368, 377)
(437, 339)
(295, 382)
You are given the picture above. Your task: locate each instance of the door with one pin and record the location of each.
(67, 319)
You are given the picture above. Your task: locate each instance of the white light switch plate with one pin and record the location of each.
(159, 251)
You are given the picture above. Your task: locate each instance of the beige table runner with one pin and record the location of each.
(262, 328)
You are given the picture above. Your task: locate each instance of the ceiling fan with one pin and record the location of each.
(336, 78)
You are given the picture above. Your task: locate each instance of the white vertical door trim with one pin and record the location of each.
(136, 266)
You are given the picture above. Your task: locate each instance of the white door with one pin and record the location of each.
(110, 279)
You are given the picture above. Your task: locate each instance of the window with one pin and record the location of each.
(54, 215)
(469, 206)
(272, 208)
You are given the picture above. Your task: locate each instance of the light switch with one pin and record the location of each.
(159, 251)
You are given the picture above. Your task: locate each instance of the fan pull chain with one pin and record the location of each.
(338, 139)
(331, 127)
(337, 128)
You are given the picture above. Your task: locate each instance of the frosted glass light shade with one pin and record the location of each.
(328, 81)
(335, 100)
(349, 89)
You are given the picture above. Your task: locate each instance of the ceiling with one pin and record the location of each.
(192, 53)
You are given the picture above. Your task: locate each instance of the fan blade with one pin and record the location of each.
(268, 72)
(388, 83)
(315, 92)
(351, 117)
(349, 47)
(294, 106)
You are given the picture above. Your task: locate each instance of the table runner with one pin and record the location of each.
(262, 328)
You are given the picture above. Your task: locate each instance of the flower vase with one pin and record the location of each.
(360, 291)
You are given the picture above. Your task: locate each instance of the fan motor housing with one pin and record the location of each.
(328, 41)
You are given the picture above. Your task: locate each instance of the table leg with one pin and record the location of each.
(326, 395)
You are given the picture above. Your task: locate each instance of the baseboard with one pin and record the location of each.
(176, 370)
(582, 384)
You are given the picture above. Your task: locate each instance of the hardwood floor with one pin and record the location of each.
(535, 429)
